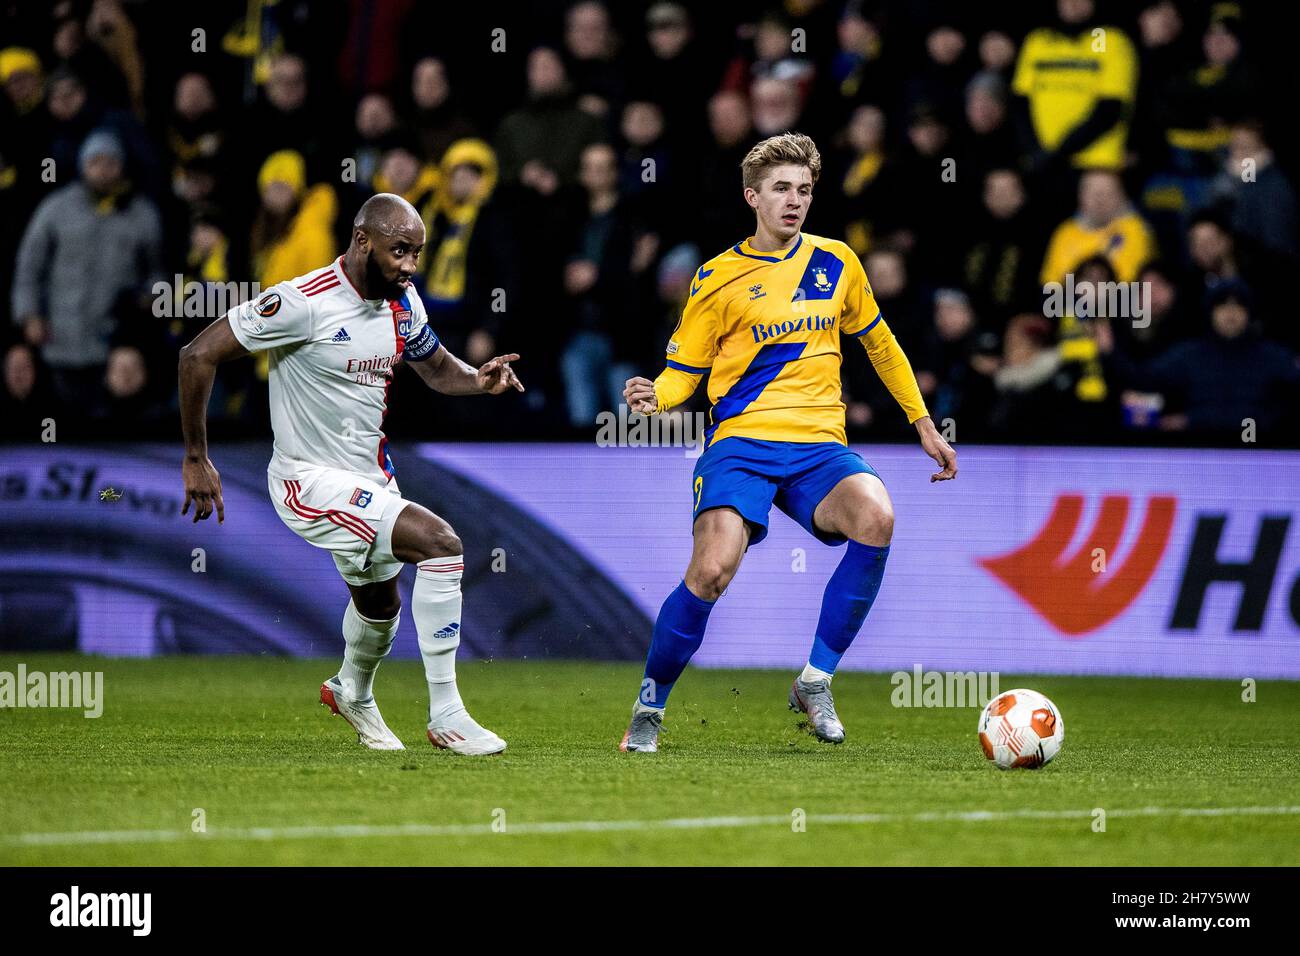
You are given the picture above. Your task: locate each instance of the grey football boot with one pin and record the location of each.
(643, 733)
(814, 699)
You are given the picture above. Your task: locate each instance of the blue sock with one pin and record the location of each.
(679, 632)
(849, 595)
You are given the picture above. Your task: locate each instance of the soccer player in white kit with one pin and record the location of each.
(334, 337)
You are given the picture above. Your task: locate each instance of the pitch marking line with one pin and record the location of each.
(88, 837)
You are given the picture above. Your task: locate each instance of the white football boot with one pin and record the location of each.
(462, 734)
(363, 715)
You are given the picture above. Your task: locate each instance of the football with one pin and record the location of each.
(1021, 728)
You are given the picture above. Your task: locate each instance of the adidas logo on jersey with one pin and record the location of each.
(341, 336)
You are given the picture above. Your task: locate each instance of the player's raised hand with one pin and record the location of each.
(203, 487)
(639, 393)
(938, 449)
(496, 375)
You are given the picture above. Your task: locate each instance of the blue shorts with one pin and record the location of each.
(751, 475)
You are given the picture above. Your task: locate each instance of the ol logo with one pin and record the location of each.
(403, 322)
(360, 498)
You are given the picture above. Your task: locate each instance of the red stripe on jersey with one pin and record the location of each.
(324, 287)
(341, 518)
(399, 343)
(328, 273)
(344, 520)
(450, 567)
(349, 278)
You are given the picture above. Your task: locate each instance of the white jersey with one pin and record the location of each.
(332, 355)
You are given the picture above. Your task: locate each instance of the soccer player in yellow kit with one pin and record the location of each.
(765, 319)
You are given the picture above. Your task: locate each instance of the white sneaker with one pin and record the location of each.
(461, 734)
(363, 715)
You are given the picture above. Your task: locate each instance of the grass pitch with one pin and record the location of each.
(242, 744)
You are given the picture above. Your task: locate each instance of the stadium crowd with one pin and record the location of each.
(576, 162)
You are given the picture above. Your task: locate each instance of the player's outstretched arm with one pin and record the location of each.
(198, 369)
(445, 373)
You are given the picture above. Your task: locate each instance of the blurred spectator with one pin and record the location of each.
(1165, 49)
(776, 105)
(539, 144)
(987, 140)
(1203, 100)
(376, 122)
(999, 268)
(293, 229)
(1105, 224)
(1213, 254)
(592, 46)
(1259, 198)
(1138, 339)
(99, 42)
(936, 80)
(127, 385)
(88, 244)
(648, 178)
(773, 58)
(283, 119)
(612, 250)
(672, 53)
(197, 128)
(871, 208)
(857, 62)
(1216, 384)
(1085, 337)
(436, 119)
(1077, 88)
(933, 245)
(468, 253)
(27, 399)
(721, 217)
(76, 110)
(954, 369)
(1030, 402)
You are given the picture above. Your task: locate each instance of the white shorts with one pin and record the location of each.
(348, 515)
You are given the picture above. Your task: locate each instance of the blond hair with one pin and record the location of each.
(785, 149)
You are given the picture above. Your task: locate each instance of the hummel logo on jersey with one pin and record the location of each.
(700, 277)
(341, 336)
(756, 292)
(451, 630)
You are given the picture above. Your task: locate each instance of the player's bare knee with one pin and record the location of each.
(709, 577)
(442, 543)
(874, 524)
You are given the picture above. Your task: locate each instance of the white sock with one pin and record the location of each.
(367, 643)
(811, 673)
(436, 605)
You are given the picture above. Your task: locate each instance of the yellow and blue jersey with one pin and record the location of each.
(766, 326)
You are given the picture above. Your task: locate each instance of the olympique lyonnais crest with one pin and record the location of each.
(268, 305)
(822, 283)
(360, 498)
(403, 322)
